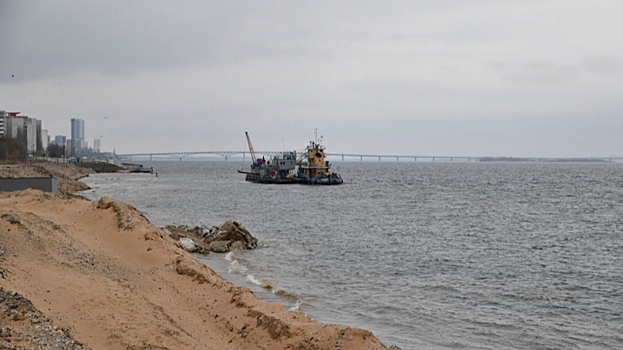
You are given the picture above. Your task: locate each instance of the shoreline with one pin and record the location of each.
(102, 271)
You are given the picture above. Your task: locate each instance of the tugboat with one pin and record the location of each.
(314, 169)
(280, 171)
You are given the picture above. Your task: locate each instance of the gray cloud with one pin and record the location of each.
(204, 71)
(609, 65)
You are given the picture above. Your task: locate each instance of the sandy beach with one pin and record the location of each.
(104, 277)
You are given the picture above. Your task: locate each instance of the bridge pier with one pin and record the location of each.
(361, 158)
(225, 158)
(379, 159)
(433, 159)
(415, 159)
(451, 159)
(150, 157)
(397, 159)
(342, 157)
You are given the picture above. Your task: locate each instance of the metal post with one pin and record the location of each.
(397, 159)
(225, 158)
(342, 157)
(150, 157)
(415, 159)
(379, 159)
(361, 158)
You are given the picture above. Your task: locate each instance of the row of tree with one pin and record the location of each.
(15, 149)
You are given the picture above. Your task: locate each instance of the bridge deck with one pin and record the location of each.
(344, 156)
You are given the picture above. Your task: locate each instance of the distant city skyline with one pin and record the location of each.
(481, 78)
(37, 139)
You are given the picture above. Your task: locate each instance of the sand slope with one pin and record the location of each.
(66, 174)
(115, 281)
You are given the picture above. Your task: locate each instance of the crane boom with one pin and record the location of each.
(251, 148)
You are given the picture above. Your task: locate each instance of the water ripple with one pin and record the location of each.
(429, 256)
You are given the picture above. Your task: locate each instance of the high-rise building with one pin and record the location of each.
(96, 145)
(3, 114)
(44, 139)
(77, 136)
(60, 140)
(77, 129)
(12, 124)
(21, 125)
(70, 150)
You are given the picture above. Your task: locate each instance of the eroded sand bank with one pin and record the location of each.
(113, 280)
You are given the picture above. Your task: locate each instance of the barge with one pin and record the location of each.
(313, 168)
(280, 171)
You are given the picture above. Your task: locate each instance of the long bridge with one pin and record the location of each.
(352, 156)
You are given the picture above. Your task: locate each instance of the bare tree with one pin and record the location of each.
(21, 144)
(13, 149)
(55, 151)
(39, 149)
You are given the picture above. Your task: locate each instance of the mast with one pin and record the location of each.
(253, 159)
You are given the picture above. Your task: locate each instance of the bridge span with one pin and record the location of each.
(361, 157)
(270, 154)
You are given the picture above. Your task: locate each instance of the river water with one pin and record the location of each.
(424, 255)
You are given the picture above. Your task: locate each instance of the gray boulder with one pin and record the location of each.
(188, 244)
(218, 239)
(220, 246)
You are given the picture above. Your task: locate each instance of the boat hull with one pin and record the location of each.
(324, 180)
(268, 180)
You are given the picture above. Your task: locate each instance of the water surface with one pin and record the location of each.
(425, 255)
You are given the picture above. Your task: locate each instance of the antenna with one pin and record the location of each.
(316, 132)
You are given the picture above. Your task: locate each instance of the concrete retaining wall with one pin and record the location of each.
(47, 184)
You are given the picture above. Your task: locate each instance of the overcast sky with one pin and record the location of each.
(434, 77)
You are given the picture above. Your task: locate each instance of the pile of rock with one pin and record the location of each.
(202, 239)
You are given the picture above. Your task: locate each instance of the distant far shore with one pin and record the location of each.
(548, 160)
(391, 158)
